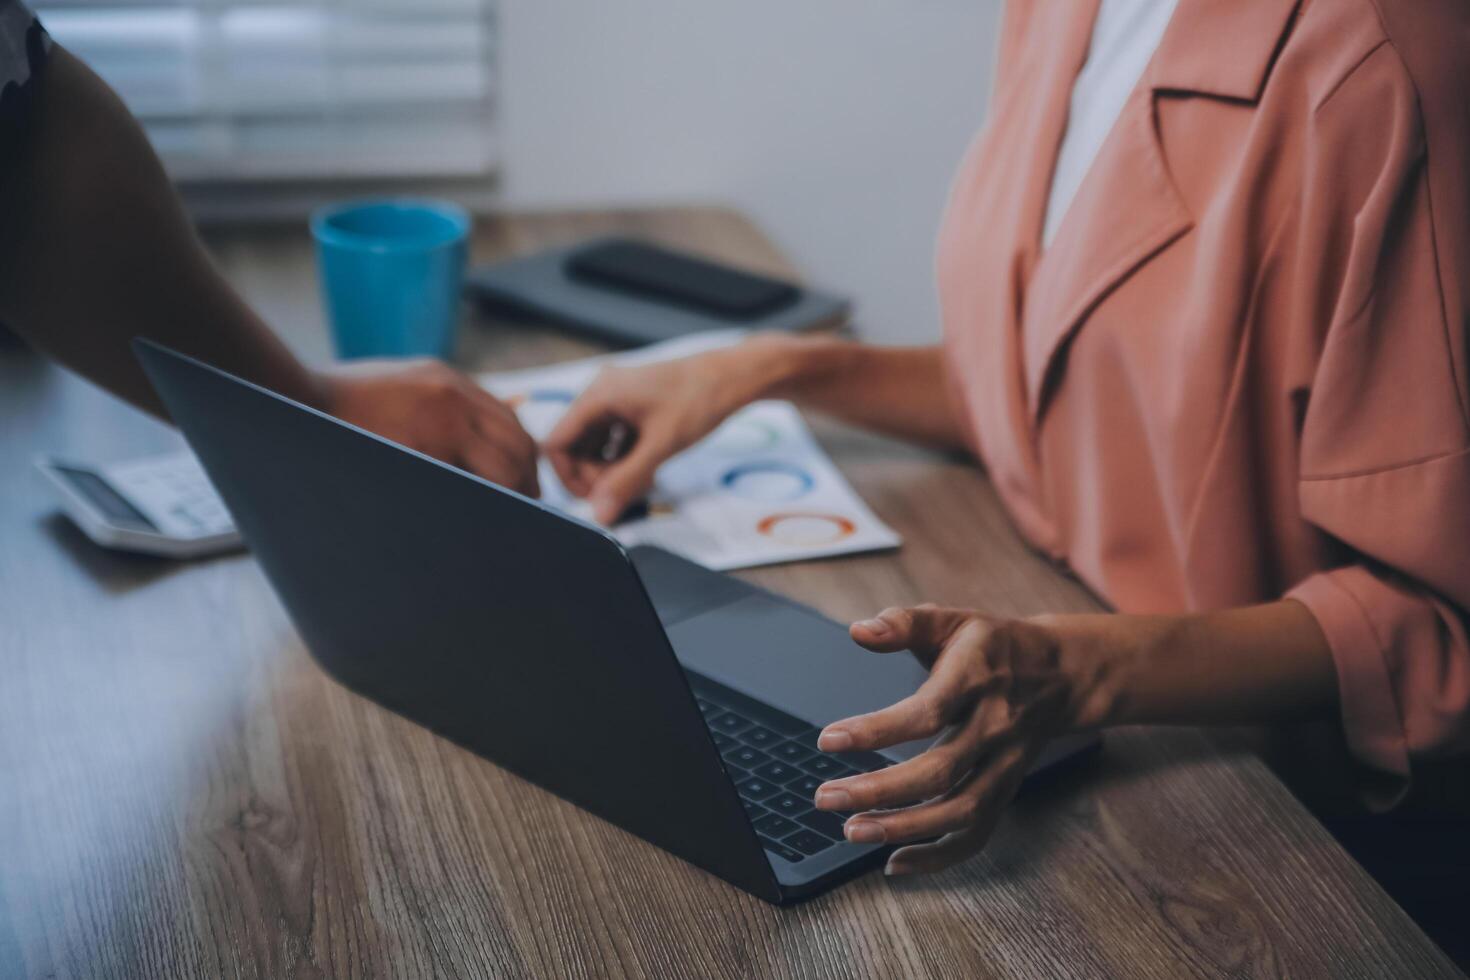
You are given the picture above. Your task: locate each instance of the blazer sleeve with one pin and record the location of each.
(1384, 462)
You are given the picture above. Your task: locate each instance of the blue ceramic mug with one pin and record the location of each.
(391, 273)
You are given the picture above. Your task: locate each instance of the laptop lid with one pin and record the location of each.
(511, 629)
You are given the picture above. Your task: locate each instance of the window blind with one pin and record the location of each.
(245, 90)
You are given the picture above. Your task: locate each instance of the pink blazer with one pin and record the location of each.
(1240, 371)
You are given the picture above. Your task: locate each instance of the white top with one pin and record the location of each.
(1123, 40)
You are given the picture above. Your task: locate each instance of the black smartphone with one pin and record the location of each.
(656, 273)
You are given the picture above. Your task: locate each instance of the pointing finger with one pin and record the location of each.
(951, 689)
(927, 775)
(923, 629)
(629, 478)
(589, 409)
(923, 714)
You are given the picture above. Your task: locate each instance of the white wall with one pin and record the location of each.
(835, 124)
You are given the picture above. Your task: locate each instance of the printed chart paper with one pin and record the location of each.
(758, 490)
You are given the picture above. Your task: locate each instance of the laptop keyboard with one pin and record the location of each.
(776, 767)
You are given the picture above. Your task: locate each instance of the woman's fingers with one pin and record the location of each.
(954, 684)
(949, 761)
(923, 629)
(568, 470)
(623, 482)
(631, 419)
(582, 415)
(575, 473)
(930, 774)
(998, 691)
(922, 714)
(578, 468)
(965, 778)
(959, 807)
(984, 812)
(605, 448)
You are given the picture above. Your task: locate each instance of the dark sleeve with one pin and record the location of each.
(24, 46)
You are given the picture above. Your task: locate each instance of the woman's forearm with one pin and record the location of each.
(1251, 665)
(899, 391)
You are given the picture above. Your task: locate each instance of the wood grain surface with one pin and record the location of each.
(184, 794)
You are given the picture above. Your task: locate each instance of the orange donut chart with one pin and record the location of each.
(806, 528)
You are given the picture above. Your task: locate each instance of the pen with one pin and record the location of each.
(616, 444)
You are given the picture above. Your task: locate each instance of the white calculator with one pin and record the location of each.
(156, 505)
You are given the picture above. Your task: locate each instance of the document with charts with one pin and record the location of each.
(758, 490)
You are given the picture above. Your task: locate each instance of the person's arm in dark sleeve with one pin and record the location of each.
(95, 249)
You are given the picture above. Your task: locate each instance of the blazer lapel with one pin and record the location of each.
(1126, 211)
(1128, 208)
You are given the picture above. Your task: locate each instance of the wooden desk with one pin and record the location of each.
(184, 794)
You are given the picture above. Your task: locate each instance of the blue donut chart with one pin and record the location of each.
(799, 481)
(541, 396)
(552, 395)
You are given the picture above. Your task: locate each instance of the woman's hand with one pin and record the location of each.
(429, 406)
(998, 690)
(630, 419)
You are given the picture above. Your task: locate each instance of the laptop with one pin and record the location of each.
(680, 704)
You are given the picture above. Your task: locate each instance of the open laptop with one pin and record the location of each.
(680, 704)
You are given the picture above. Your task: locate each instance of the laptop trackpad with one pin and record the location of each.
(794, 660)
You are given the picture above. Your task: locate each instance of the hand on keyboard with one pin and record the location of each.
(776, 766)
(1001, 688)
